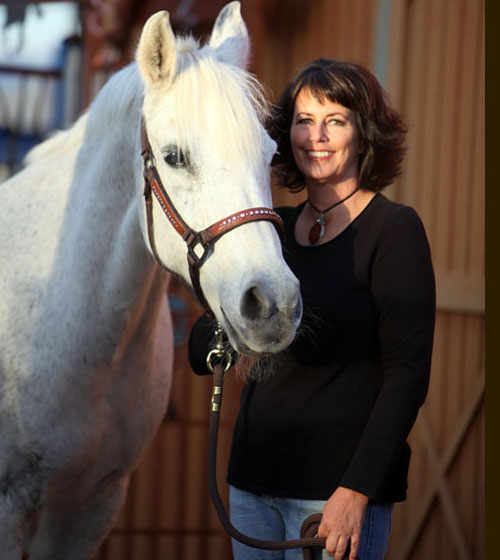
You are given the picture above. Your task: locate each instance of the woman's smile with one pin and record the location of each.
(318, 155)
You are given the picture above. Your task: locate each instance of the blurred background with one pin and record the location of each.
(429, 55)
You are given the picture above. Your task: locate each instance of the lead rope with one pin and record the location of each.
(219, 361)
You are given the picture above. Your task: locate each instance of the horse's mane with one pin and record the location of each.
(221, 102)
(118, 100)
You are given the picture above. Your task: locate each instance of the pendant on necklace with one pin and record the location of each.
(317, 232)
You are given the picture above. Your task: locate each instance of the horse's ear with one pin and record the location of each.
(156, 55)
(230, 36)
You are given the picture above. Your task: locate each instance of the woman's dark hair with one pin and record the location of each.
(381, 128)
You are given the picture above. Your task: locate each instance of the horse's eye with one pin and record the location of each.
(175, 158)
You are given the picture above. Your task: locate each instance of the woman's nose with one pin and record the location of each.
(318, 134)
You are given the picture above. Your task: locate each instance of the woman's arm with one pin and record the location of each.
(402, 283)
(403, 288)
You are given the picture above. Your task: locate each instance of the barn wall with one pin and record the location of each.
(437, 80)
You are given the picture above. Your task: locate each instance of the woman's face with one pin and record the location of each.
(325, 139)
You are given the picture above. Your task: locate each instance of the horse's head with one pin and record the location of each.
(203, 115)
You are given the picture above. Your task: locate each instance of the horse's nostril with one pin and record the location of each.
(255, 304)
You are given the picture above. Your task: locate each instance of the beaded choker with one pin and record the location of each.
(317, 231)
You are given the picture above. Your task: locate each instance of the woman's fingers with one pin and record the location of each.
(353, 553)
(339, 552)
(331, 543)
(323, 529)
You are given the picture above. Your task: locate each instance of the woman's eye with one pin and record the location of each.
(175, 158)
(304, 121)
(336, 122)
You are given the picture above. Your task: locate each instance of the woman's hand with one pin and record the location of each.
(343, 516)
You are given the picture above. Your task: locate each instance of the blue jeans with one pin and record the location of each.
(278, 519)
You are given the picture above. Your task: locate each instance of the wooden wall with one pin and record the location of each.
(436, 79)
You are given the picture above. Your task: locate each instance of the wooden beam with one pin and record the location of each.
(439, 468)
(462, 426)
(460, 293)
(396, 52)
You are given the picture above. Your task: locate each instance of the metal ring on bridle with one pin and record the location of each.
(224, 357)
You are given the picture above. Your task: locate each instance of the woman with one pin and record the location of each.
(327, 430)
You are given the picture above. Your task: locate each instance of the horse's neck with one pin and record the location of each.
(104, 259)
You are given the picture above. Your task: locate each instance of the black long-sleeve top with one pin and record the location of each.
(338, 411)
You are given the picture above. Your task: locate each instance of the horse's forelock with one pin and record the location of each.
(224, 103)
(186, 44)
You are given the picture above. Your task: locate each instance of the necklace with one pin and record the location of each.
(317, 231)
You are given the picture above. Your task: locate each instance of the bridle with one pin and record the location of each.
(204, 239)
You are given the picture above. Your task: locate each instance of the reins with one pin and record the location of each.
(195, 240)
(219, 362)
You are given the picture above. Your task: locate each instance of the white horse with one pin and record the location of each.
(85, 328)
